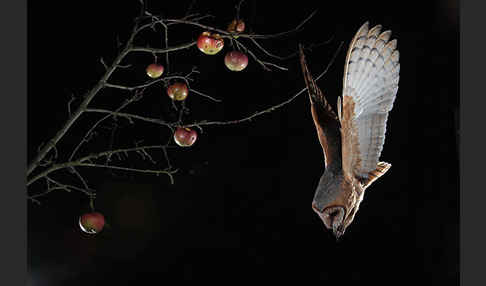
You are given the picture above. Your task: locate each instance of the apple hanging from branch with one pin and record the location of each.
(178, 91)
(155, 70)
(92, 223)
(185, 137)
(236, 61)
(209, 43)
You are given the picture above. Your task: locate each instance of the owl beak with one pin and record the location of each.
(333, 218)
(338, 231)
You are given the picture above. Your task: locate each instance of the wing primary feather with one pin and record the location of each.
(370, 86)
(315, 94)
(325, 120)
(362, 30)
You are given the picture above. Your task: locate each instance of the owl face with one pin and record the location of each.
(333, 218)
(338, 214)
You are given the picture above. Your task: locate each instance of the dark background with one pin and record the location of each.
(240, 206)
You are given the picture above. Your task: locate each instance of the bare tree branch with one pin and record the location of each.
(265, 51)
(152, 82)
(238, 8)
(205, 95)
(166, 50)
(58, 186)
(156, 172)
(69, 104)
(103, 63)
(277, 35)
(126, 150)
(83, 181)
(130, 116)
(90, 158)
(166, 35)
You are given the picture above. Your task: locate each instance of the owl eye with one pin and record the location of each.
(333, 214)
(336, 216)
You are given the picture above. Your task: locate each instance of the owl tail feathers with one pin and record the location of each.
(381, 169)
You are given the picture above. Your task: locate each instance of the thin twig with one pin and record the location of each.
(126, 150)
(193, 23)
(238, 7)
(68, 187)
(309, 47)
(69, 104)
(191, 6)
(274, 65)
(59, 186)
(166, 50)
(265, 51)
(130, 116)
(83, 181)
(181, 112)
(204, 95)
(124, 66)
(152, 82)
(166, 38)
(148, 171)
(166, 34)
(166, 155)
(132, 88)
(103, 63)
(112, 141)
(277, 35)
(249, 118)
(196, 19)
(33, 197)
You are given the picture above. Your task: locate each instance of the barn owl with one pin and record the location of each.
(353, 140)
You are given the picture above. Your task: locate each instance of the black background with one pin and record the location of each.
(240, 206)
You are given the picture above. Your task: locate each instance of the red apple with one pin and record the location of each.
(92, 222)
(178, 91)
(236, 61)
(185, 137)
(210, 44)
(236, 26)
(155, 70)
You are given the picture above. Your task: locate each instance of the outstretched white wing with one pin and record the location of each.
(371, 75)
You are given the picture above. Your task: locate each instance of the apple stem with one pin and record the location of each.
(91, 203)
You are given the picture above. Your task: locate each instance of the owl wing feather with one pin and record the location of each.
(370, 84)
(325, 120)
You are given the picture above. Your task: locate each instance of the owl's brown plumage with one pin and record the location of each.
(353, 140)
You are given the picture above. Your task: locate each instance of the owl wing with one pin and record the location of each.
(371, 75)
(325, 120)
